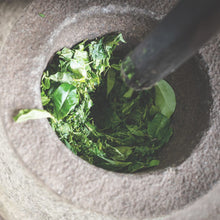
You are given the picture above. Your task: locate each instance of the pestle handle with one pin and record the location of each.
(179, 35)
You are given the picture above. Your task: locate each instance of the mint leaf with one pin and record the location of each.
(165, 98)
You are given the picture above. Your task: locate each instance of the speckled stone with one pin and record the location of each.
(41, 179)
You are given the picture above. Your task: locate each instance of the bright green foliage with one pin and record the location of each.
(97, 116)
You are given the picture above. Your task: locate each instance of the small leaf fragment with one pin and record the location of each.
(129, 93)
(154, 163)
(41, 15)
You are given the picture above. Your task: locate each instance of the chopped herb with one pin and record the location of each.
(96, 115)
(41, 15)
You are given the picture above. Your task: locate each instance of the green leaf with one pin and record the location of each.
(65, 53)
(129, 93)
(135, 166)
(79, 68)
(135, 130)
(44, 99)
(127, 107)
(45, 81)
(65, 98)
(62, 77)
(121, 153)
(81, 55)
(115, 163)
(112, 41)
(30, 114)
(153, 110)
(159, 128)
(110, 80)
(98, 55)
(116, 66)
(154, 163)
(165, 98)
(41, 15)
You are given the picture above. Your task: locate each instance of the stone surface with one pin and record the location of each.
(90, 190)
(10, 10)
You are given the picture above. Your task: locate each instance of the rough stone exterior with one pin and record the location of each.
(41, 179)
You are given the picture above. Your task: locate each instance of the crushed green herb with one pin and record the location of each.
(96, 115)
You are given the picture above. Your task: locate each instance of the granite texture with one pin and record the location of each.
(42, 179)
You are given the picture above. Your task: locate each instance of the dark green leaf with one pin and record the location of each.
(65, 98)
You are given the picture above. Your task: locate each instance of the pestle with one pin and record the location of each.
(179, 36)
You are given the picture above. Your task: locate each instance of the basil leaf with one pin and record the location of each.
(30, 114)
(65, 99)
(165, 98)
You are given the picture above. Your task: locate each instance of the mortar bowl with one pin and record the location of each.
(189, 168)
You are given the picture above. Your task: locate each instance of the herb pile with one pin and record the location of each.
(96, 115)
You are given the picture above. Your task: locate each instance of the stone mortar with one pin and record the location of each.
(179, 189)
